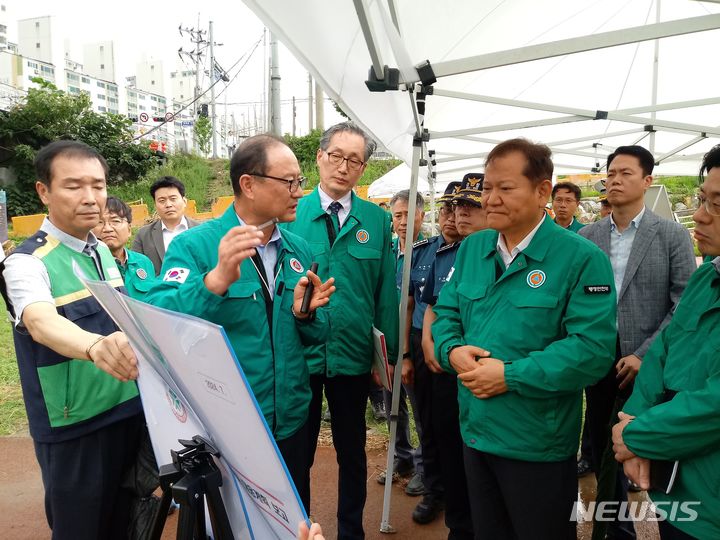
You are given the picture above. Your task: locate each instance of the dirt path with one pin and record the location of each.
(22, 516)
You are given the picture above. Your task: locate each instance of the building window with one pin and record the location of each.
(3, 28)
(101, 96)
(141, 96)
(73, 90)
(37, 24)
(152, 83)
(37, 45)
(86, 80)
(102, 109)
(102, 66)
(102, 48)
(100, 84)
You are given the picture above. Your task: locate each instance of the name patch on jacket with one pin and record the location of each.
(597, 289)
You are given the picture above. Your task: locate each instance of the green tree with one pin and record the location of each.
(305, 147)
(48, 114)
(203, 133)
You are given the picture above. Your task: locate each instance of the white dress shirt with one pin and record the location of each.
(168, 234)
(621, 246)
(508, 256)
(346, 201)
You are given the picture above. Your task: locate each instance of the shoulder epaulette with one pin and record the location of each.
(32, 243)
(421, 242)
(447, 247)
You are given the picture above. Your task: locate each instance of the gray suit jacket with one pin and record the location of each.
(149, 242)
(660, 264)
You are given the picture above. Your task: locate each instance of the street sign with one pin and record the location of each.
(169, 117)
(187, 123)
(144, 117)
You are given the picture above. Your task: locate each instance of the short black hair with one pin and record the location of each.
(538, 157)
(572, 188)
(646, 159)
(251, 157)
(710, 161)
(47, 154)
(113, 205)
(167, 182)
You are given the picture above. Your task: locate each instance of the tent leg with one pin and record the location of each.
(385, 526)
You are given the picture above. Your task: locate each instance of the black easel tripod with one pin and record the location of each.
(189, 479)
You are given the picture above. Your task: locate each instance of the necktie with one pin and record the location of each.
(334, 208)
(92, 253)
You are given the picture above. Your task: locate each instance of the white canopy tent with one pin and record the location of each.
(393, 181)
(582, 76)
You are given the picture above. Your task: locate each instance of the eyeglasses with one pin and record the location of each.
(293, 184)
(115, 222)
(560, 200)
(446, 209)
(711, 207)
(354, 164)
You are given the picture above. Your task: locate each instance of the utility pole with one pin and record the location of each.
(197, 39)
(319, 111)
(275, 112)
(310, 103)
(212, 90)
(265, 83)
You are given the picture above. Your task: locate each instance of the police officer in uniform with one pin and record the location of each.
(252, 281)
(464, 204)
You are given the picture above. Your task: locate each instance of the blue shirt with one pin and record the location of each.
(269, 256)
(422, 259)
(439, 271)
(621, 246)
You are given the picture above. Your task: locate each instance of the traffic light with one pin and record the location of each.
(203, 110)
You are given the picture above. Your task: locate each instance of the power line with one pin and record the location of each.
(175, 113)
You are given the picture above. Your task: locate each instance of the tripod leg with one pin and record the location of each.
(168, 475)
(218, 514)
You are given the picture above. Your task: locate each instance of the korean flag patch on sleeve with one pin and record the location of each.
(176, 274)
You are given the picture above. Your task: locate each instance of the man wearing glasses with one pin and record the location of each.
(242, 272)
(674, 410)
(350, 239)
(565, 200)
(135, 268)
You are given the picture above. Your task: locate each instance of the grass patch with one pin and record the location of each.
(12, 409)
(193, 171)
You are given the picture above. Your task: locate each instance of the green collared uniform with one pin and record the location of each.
(575, 225)
(271, 357)
(550, 316)
(138, 273)
(362, 263)
(684, 359)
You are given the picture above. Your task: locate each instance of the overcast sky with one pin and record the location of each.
(145, 30)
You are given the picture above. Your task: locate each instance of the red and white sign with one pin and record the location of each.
(144, 117)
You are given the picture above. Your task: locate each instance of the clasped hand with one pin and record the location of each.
(482, 375)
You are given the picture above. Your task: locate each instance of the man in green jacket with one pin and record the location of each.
(251, 280)
(527, 320)
(565, 200)
(350, 240)
(673, 413)
(135, 268)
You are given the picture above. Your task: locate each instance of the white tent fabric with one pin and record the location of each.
(327, 38)
(583, 77)
(393, 181)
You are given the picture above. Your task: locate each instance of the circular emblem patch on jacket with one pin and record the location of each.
(141, 273)
(295, 265)
(536, 278)
(362, 236)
